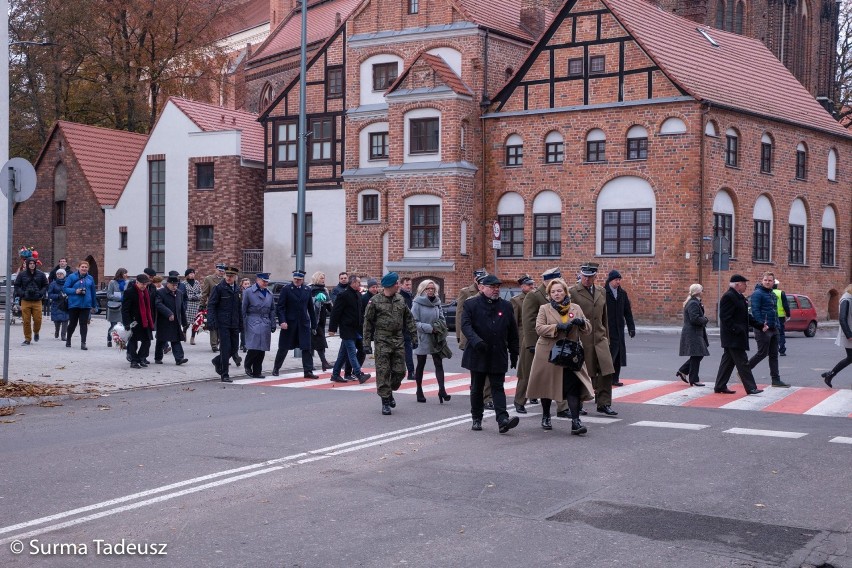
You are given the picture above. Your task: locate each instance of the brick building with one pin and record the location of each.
(81, 171)
(632, 137)
(194, 196)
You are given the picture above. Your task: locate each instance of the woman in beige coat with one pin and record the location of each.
(559, 319)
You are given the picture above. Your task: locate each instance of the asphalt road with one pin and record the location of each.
(261, 476)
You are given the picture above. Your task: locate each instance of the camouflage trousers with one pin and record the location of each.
(390, 368)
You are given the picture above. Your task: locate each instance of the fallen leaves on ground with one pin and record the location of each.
(49, 404)
(7, 411)
(21, 389)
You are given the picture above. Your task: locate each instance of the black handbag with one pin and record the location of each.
(567, 353)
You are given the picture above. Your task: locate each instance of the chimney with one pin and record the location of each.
(532, 17)
(337, 19)
(280, 9)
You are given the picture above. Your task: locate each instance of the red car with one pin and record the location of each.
(803, 315)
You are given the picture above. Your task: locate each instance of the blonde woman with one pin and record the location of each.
(431, 336)
(559, 319)
(844, 335)
(693, 337)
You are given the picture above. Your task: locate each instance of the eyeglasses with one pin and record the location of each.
(493, 286)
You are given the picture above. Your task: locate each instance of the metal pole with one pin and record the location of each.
(303, 154)
(719, 285)
(10, 203)
(5, 258)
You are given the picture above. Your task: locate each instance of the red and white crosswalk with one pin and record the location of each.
(794, 400)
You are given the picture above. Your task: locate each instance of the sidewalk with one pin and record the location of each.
(59, 372)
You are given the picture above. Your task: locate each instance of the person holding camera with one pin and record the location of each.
(80, 288)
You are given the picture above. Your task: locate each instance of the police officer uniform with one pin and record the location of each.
(297, 319)
(224, 314)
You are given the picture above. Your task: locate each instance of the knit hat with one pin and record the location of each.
(613, 274)
(372, 282)
(188, 271)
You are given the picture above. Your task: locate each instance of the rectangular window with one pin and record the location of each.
(370, 207)
(637, 149)
(309, 233)
(597, 64)
(801, 164)
(203, 176)
(413, 6)
(383, 75)
(554, 152)
(157, 215)
(596, 151)
(547, 239)
(378, 145)
(511, 235)
(321, 139)
(515, 155)
(731, 151)
(575, 67)
(797, 244)
(122, 237)
(424, 136)
(334, 82)
(59, 213)
(425, 229)
(203, 237)
(723, 226)
(828, 247)
(761, 241)
(287, 144)
(766, 158)
(626, 231)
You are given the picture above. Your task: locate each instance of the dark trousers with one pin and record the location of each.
(281, 354)
(690, 367)
(138, 349)
(254, 361)
(767, 344)
(498, 395)
(177, 350)
(409, 355)
(229, 346)
(61, 329)
(615, 353)
(734, 358)
(782, 338)
(843, 363)
(81, 316)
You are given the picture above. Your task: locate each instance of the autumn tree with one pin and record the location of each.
(844, 64)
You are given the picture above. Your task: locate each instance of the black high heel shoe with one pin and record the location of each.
(420, 397)
(442, 396)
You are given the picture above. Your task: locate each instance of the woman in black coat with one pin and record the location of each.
(137, 315)
(322, 307)
(693, 337)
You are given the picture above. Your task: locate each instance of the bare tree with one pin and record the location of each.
(844, 65)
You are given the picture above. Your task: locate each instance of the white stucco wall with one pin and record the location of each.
(328, 208)
(179, 139)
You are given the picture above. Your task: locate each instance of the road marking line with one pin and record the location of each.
(800, 401)
(837, 404)
(841, 440)
(770, 433)
(681, 396)
(629, 389)
(760, 401)
(677, 425)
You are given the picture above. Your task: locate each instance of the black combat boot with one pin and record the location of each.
(386, 409)
(577, 427)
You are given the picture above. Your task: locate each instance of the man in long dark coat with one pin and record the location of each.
(297, 321)
(137, 316)
(225, 315)
(492, 335)
(618, 313)
(734, 321)
(171, 319)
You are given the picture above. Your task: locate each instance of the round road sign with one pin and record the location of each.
(24, 175)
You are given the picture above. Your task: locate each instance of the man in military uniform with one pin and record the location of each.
(592, 300)
(225, 315)
(297, 320)
(386, 318)
(465, 294)
(527, 285)
(207, 286)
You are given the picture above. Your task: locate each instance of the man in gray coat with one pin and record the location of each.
(259, 321)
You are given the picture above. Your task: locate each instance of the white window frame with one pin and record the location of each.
(416, 114)
(625, 192)
(672, 125)
(799, 216)
(368, 95)
(361, 208)
(763, 212)
(423, 199)
(364, 160)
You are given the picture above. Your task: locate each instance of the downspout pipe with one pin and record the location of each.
(484, 103)
(705, 109)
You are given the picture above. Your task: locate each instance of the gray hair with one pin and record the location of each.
(694, 290)
(60, 271)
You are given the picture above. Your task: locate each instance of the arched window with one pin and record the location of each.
(723, 219)
(60, 194)
(729, 15)
(798, 229)
(762, 216)
(423, 226)
(732, 148)
(374, 145)
(625, 217)
(369, 206)
(514, 151)
(672, 125)
(637, 143)
(266, 96)
(547, 225)
(596, 146)
(554, 148)
(832, 164)
(829, 229)
(710, 129)
(738, 18)
(510, 215)
(766, 153)
(720, 15)
(801, 161)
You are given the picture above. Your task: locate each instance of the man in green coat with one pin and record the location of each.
(386, 318)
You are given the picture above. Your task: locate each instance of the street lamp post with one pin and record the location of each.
(4, 114)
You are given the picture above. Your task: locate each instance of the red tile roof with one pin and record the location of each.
(321, 24)
(444, 72)
(500, 15)
(244, 15)
(740, 73)
(106, 156)
(210, 118)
